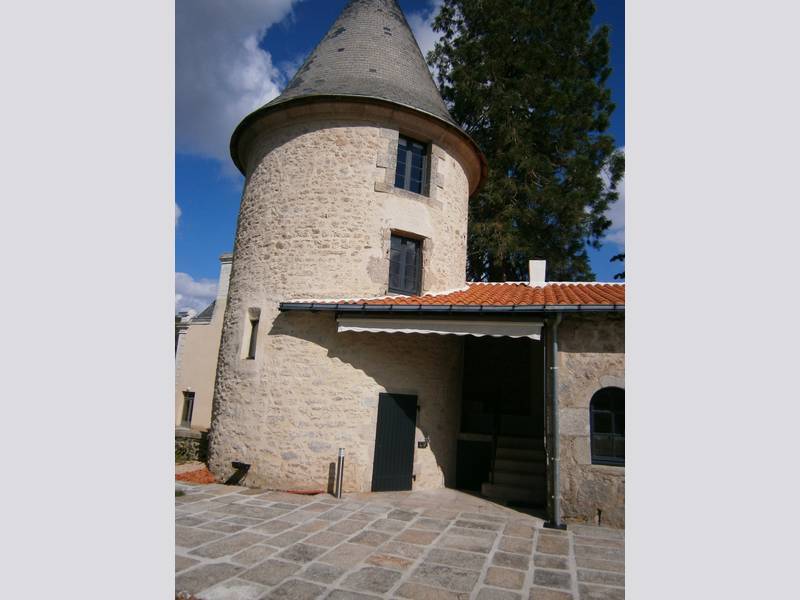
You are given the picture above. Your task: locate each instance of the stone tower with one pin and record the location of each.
(317, 215)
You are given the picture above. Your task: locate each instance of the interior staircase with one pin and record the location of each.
(518, 472)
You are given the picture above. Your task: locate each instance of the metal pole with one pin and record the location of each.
(556, 522)
(340, 473)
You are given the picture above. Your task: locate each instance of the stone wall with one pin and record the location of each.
(315, 222)
(591, 356)
(318, 391)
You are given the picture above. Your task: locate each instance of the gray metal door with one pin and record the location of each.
(394, 443)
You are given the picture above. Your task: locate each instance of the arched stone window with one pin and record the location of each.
(607, 419)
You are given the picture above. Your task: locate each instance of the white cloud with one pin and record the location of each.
(177, 214)
(220, 72)
(421, 23)
(616, 212)
(193, 294)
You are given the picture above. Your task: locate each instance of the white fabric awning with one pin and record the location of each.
(478, 328)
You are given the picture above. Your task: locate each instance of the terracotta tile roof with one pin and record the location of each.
(500, 295)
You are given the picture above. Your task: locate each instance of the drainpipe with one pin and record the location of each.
(555, 433)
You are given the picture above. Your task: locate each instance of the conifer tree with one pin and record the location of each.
(527, 80)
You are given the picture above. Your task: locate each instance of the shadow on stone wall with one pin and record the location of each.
(361, 352)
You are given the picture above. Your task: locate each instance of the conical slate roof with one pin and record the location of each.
(370, 52)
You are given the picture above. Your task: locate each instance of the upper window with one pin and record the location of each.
(607, 410)
(412, 166)
(405, 265)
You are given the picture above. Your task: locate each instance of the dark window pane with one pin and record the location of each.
(602, 422)
(404, 265)
(619, 423)
(619, 447)
(411, 169)
(603, 446)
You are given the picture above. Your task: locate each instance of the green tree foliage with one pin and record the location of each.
(619, 258)
(527, 80)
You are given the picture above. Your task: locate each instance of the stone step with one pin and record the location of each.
(530, 443)
(520, 454)
(511, 493)
(523, 480)
(519, 466)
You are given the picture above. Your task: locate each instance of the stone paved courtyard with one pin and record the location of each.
(238, 543)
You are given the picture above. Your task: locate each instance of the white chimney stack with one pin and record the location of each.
(536, 269)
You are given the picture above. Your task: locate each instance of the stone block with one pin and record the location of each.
(455, 558)
(417, 536)
(495, 594)
(554, 579)
(270, 572)
(388, 561)
(296, 589)
(235, 589)
(371, 579)
(511, 561)
(444, 576)
(301, 553)
(504, 578)
(204, 576)
(416, 591)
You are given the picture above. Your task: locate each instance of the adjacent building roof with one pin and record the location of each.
(486, 297)
(206, 315)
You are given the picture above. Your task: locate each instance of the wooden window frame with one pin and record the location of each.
(417, 285)
(404, 144)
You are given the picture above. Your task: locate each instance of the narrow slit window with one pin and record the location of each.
(188, 408)
(405, 265)
(251, 348)
(412, 166)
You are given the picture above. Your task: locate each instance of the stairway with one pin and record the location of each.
(518, 474)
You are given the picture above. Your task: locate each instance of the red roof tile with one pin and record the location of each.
(506, 294)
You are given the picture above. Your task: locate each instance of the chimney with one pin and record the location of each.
(536, 269)
(224, 275)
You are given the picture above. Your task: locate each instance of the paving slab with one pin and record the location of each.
(296, 589)
(183, 562)
(253, 555)
(444, 576)
(201, 577)
(538, 593)
(348, 595)
(229, 545)
(553, 579)
(456, 558)
(322, 573)
(302, 553)
(599, 592)
(425, 545)
(488, 593)
(417, 591)
(189, 537)
(371, 579)
(235, 589)
(270, 572)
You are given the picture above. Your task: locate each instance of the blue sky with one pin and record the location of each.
(234, 56)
